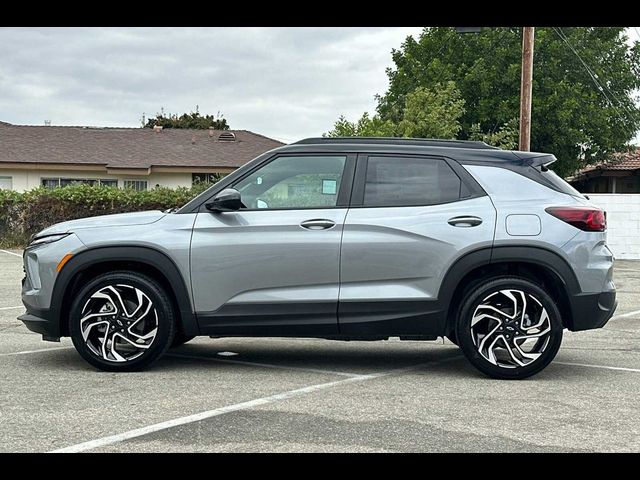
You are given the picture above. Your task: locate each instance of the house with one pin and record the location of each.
(621, 174)
(139, 158)
(614, 186)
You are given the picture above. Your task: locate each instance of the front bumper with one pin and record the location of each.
(40, 267)
(592, 310)
(39, 321)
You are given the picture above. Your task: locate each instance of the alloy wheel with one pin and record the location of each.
(510, 328)
(118, 323)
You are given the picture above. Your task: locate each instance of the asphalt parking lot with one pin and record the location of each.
(282, 395)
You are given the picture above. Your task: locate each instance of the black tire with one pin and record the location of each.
(180, 339)
(160, 305)
(477, 296)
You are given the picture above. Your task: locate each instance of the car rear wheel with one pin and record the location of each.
(121, 321)
(509, 328)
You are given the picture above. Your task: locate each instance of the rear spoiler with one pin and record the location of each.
(534, 159)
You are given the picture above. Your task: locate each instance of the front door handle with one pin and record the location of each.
(465, 221)
(318, 224)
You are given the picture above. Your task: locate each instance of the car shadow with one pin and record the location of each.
(316, 357)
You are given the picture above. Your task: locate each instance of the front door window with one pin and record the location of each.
(294, 183)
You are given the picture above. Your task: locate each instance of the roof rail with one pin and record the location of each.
(429, 142)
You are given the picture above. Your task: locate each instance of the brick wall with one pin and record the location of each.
(623, 222)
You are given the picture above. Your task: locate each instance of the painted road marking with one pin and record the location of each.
(11, 253)
(25, 352)
(12, 308)
(263, 365)
(605, 367)
(624, 315)
(139, 432)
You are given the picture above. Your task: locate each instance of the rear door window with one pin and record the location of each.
(407, 181)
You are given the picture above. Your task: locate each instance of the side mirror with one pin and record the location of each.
(228, 200)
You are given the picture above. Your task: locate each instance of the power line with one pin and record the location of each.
(595, 81)
(595, 77)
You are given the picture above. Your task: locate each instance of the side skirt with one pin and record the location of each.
(415, 320)
(271, 319)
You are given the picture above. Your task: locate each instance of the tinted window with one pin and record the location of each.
(294, 182)
(397, 181)
(558, 183)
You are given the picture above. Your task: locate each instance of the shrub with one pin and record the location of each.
(23, 214)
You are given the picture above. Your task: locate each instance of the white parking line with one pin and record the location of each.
(263, 365)
(12, 308)
(11, 253)
(604, 367)
(25, 352)
(138, 432)
(628, 314)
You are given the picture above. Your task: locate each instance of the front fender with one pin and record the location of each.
(60, 300)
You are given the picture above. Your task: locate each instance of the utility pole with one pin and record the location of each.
(525, 88)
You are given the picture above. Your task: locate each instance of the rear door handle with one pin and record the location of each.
(465, 221)
(318, 224)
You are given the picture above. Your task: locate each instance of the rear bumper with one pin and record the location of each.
(592, 310)
(39, 321)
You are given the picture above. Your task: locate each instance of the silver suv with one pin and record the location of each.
(338, 238)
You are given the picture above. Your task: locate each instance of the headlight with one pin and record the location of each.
(47, 239)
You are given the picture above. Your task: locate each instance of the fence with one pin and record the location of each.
(623, 222)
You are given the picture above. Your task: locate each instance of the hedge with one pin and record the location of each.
(23, 214)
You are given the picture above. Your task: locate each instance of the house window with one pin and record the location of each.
(205, 178)
(6, 183)
(63, 182)
(137, 185)
(109, 183)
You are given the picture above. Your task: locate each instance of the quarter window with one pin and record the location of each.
(294, 182)
(404, 181)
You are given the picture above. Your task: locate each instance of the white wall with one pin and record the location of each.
(623, 222)
(27, 179)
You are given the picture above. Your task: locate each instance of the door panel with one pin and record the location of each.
(399, 255)
(272, 267)
(264, 271)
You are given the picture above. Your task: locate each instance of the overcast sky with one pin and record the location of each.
(286, 83)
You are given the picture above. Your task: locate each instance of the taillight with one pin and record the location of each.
(585, 218)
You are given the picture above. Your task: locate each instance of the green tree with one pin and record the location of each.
(432, 112)
(426, 113)
(572, 117)
(506, 136)
(364, 127)
(187, 120)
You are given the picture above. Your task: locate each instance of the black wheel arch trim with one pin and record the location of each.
(139, 254)
(540, 256)
(487, 256)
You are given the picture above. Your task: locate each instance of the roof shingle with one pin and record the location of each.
(621, 161)
(129, 147)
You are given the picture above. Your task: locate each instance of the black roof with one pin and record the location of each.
(426, 142)
(463, 151)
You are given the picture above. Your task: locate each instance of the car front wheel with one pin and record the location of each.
(509, 328)
(121, 321)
